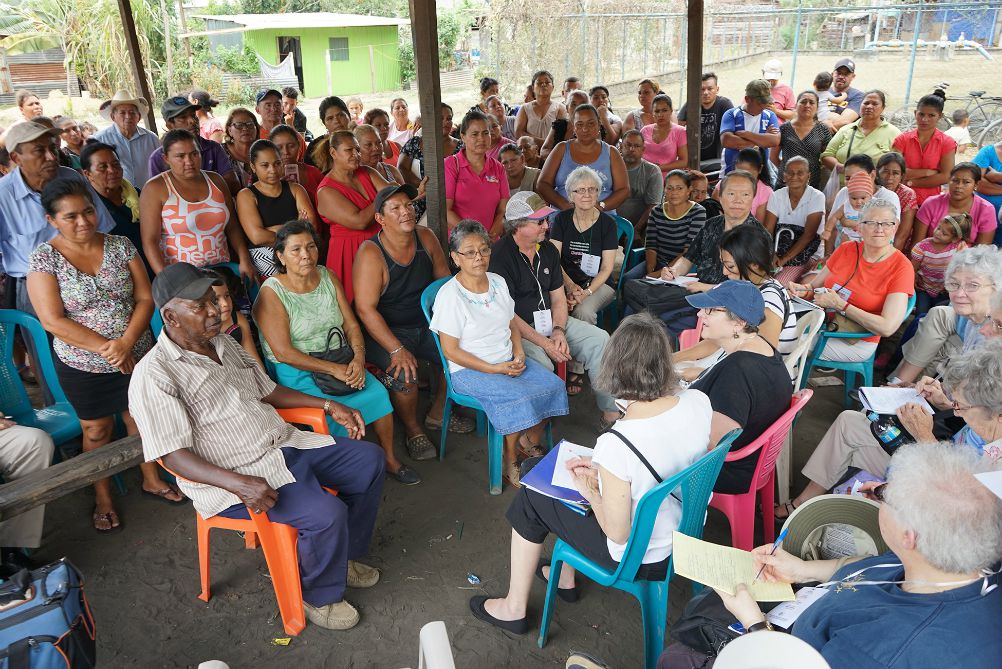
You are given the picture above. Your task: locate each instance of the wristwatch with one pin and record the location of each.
(759, 626)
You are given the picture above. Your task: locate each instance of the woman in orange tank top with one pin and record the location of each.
(345, 202)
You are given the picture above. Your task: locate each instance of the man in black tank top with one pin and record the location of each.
(390, 272)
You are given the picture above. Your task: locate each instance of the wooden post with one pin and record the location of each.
(424, 32)
(136, 61)
(372, 69)
(692, 80)
(168, 47)
(183, 18)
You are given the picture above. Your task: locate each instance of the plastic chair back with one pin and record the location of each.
(770, 442)
(807, 329)
(427, 304)
(690, 338)
(434, 650)
(624, 228)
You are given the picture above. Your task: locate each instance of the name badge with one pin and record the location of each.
(590, 263)
(542, 321)
(492, 180)
(292, 172)
(842, 291)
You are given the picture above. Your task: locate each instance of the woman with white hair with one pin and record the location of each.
(867, 285)
(971, 279)
(971, 389)
(926, 602)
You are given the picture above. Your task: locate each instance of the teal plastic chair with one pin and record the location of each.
(695, 483)
(157, 321)
(495, 440)
(58, 419)
(611, 313)
(850, 369)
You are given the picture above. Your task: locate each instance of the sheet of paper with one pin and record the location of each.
(992, 481)
(787, 613)
(568, 450)
(723, 568)
(678, 281)
(888, 400)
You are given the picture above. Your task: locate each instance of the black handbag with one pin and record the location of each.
(703, 624)
(342, 355)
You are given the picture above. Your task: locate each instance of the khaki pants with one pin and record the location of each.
(601, 297)
(847, 443)
(935, 341)
(23, 450)
(587, 345)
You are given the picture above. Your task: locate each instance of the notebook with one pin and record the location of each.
(550, 478)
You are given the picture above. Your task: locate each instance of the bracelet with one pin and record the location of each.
(759, 626)
(559, 327)
(328, 405)
(396, 350)
(589, 291)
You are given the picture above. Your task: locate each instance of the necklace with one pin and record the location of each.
(472, 298)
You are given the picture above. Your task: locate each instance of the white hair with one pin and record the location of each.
(879, 203)
(978, 374)
(582, 173)
(957, 521)
(984, 260)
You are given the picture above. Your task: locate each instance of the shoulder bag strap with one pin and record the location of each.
(640, 456)
(852, 138)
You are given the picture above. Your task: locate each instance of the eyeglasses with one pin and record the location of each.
(879, 491)
(957, 406)
(879, 224)
(245, 125)
(995, 324)
(591, 190)
(971, 287)
(470, 255)
(710, 310)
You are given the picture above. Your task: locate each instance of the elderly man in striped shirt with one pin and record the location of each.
(205, 407)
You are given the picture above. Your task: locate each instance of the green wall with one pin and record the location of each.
(348, 76)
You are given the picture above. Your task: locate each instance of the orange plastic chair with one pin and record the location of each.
(740, 508)
(278, 541)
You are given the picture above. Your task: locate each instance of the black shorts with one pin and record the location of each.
(419, 341)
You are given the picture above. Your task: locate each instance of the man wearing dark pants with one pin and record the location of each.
(208, 410)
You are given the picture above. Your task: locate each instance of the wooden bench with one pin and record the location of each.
(58, 480)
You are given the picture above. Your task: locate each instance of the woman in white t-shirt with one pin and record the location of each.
(474, 316)
(793, 216)
(636, 368)
(746, 254)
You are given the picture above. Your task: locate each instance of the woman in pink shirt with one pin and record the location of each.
(664, 142)
(476, 186)
(929, 154)
(959, 199)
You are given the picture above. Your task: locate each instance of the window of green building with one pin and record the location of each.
(338, 48)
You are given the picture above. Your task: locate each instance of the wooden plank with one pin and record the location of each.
(424, 30)
(136, 61)
(692, 81)
(54, 482)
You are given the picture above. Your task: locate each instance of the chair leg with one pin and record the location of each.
(550, 601)
(768, 498)
(743, 524)
(868, 374)
(850, 383)
(202, 530)
(481, 423)
(495, 458)
(282, 557)
(120, 484)
(250, 540)
(549, 434)
(446, 416)
(654, 609)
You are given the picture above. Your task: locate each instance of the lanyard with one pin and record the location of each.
(847, 583)
(535, 275)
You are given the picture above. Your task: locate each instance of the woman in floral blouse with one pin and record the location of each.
(91, 292)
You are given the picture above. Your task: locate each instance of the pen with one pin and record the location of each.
(775, 545)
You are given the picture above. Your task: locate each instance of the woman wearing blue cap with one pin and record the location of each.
(750, 387)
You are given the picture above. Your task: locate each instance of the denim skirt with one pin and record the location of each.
(515, 403)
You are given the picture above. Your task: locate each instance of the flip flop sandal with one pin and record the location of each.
(109, 518)
(457, 424)
(789, 507)
(531, 451)
(161, 496)
(575, 383)
(512, 475)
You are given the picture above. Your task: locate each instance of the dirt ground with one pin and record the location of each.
(142, 583)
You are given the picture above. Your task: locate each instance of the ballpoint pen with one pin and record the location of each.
(775, 545)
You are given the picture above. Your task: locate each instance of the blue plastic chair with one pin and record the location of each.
(58, 419)
(611, 313)
(695, 483)
(157, 322)
(851, 369)
(495, 440)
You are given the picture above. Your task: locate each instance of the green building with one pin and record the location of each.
(331, 53)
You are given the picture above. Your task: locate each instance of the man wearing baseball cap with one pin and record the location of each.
(842, 77)
(752, 125)
(132, 143)
(34, 156)
(783, 99)
(391, 271)
(269, 109)
(180, 113)
(207, 409)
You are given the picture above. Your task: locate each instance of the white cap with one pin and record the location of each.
(773, 69)
(526, 204)
(769, 650)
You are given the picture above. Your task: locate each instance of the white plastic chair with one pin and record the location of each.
(435, 651)
(796, 363)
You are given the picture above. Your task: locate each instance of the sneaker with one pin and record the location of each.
(337, 616)
(421, 448)
(361, 575)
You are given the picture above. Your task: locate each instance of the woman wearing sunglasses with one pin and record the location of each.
(867, 285)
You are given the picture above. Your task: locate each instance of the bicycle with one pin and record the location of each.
(982, 110)
(991, 135)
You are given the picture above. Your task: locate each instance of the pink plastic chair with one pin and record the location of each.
(740, 508)
(690, 338)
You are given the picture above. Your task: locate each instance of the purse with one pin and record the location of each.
(341, 355)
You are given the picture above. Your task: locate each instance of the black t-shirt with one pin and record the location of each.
(573, 243)
(709, 127)
(752, 390)
(704, 251)
(511, 264)
(712, 208)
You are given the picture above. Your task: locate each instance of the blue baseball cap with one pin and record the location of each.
(741, 298)
(265, 92)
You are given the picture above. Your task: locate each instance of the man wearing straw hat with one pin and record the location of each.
(132, 143)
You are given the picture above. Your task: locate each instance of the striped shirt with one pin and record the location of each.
(777, 302)
(669, 237)
(931, 272)
(182, 399)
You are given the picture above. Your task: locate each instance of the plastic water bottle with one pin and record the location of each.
(883, 428)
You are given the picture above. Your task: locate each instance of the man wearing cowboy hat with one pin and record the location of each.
(133, 144)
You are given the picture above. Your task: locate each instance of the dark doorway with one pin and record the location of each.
(287, 45)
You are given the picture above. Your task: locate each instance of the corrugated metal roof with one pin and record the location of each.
(304, 20)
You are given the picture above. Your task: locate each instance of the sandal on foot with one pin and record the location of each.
(513, 475)
(161, 495)
(457, 424)
(111, 518)
(530, 451)
(405, 475)
(520, 626)
(569, 595)
(419, 447)
(789, 507)
(575, 383)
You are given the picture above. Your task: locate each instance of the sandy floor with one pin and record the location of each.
(142, 583)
